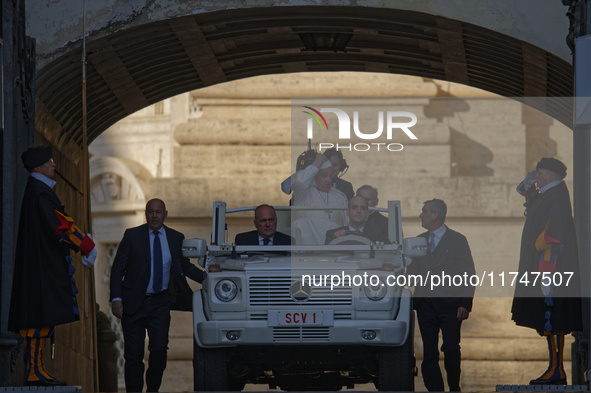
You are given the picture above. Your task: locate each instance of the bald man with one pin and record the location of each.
(148, 273)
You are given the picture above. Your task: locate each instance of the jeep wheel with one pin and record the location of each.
(397, 367)
(210, 369)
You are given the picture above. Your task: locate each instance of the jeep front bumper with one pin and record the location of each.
(343, 332)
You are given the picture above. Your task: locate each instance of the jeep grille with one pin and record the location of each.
(275, 291)
(283, 334)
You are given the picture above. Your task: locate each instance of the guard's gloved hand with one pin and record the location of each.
(528, 182)
(547, 290)
(88, 260)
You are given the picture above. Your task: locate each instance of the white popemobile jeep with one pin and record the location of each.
(304, 317)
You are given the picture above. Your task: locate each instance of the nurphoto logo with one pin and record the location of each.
(396, 123)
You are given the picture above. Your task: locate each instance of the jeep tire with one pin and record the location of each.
(210, 369)
(396, 366)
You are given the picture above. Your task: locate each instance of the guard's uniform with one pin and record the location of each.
(43, 288)
(549, 248)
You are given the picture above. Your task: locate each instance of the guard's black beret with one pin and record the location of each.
(554, 165)
(35, 156)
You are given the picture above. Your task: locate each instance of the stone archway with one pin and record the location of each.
(139, 66)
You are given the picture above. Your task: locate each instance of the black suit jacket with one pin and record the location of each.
(451, 257)
(130, 274)
(373, 233)
(345, 187)
(252, 239)
(378, 222)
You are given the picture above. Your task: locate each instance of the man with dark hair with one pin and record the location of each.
(443, 307)
(43, 286)
(265, 222)
(147, 275)
(548, 247)
(357, 211)
(339, 165)
(375, 219)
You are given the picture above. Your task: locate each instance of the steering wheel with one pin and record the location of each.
(350, 239)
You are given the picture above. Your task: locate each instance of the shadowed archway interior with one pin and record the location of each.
(137, 67)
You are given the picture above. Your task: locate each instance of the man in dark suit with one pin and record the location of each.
(265, 222)
(147, 274)
(339, 165)
(443, 307)
(358, 211)
(375, 219)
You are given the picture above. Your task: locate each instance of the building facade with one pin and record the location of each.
(236, 142)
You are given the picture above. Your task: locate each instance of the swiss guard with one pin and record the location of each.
(551, 305)
(43, 288)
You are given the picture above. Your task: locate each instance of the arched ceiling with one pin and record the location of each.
(139, 66)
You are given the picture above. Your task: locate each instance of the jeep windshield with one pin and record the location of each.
(352, 244)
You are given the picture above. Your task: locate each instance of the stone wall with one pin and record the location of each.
(234, 142)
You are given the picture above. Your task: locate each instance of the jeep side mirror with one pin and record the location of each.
(414, 247)
(194, 248)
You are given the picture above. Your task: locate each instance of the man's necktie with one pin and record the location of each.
(157, 281)
(266, 241)
(432, 243)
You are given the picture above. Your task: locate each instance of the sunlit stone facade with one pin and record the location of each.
(233, 142)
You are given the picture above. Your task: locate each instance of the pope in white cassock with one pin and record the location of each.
(312, 186)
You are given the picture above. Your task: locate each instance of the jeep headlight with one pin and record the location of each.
(376, 292)
(226, 290)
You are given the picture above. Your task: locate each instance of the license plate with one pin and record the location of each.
(301, 318)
